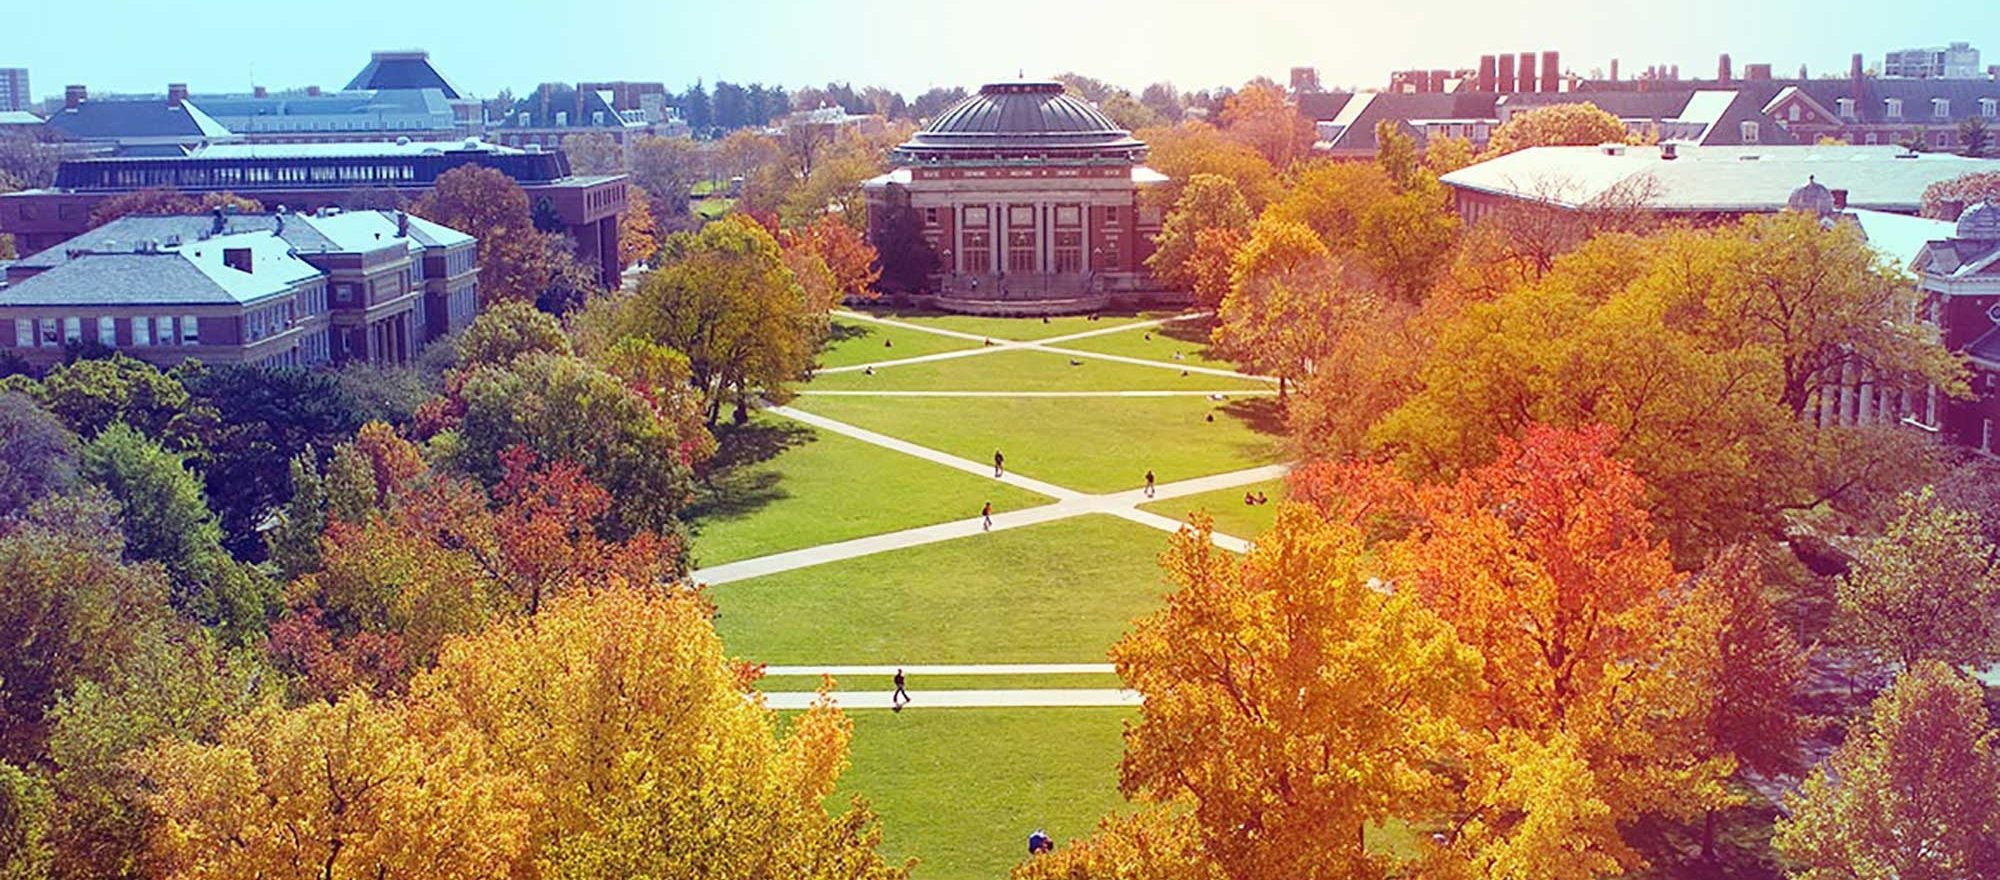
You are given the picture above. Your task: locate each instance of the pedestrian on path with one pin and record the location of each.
(1149, 482)
(901, 697)
(999, 464)
(986, 513)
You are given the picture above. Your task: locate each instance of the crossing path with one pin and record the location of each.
(1052, 345)
(927, 700)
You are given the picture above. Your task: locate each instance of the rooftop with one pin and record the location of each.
(402, 69)
(1020, 117)
(1724, 179)
(186, 274)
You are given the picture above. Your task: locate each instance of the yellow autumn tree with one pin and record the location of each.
(1578, 124)
(606, 736)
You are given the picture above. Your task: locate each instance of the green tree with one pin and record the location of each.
(93, 394)
(1208, 202)
(265, 417)
(165, 519)
(1578, 124)
(1914, 792)
(506, 331)
(1974, 137)
(37, 454)
(1926, 588)
(666, 168)
(25, 801)
(725, 298)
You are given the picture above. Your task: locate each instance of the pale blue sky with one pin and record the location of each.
(909, 45)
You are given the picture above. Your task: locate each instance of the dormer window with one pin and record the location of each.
(1894, 108)
(1941, 108)
(1750, 133)
(1845, 106)
(1989, 107)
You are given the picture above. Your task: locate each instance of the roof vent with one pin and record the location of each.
(1669, 150)
(1612, 149)
(403, 141)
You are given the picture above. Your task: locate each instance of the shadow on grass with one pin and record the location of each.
(841, 332)
(1261, 414)
(1193, 332)
(735, 485)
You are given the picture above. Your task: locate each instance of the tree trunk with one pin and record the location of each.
(1708, 836)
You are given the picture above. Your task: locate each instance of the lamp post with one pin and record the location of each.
(952, 286)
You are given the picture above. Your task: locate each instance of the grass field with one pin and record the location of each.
(1097, 445)
(783, 486)
(961, 789)
(1019, 329)
(1190, 338)
(861, 342)
(1232, 516)
(1059, 592)
(712, 208)
(1022, 370)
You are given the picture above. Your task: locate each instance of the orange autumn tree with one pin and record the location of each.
(852, 261)
(606, 737)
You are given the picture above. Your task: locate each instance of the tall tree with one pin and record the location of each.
(265, 417)
(37, 454)
(1263, 117)
(1183, 257)
(666, 168)
(1926, 588)
(1913, 793)
(593, 153)
(638, 230)
(514, 257)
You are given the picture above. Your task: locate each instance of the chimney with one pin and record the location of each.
(1802, 73)
(1505, 83)
(1855, 74)
(176, 93)
(1724, 72)
(74, 96)
(1488, 74)
(1437, 79)
(1840, 200)
(312, 91)
(1551, 72)
(1676, 75)
(237, 258)
(219, 223)
(1669, 151)
(1527, 71)
(402, 224)
(260, 92)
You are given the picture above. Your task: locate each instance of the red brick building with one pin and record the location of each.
(1960, 280)
(1030, 200)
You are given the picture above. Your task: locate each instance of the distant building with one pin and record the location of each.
(1700, 183)
(1713, 117)
(1305, 80)
(555, 113)
(1029, 198)
(306, 177)
(14, 90)
(1956, 61)
(266, 289)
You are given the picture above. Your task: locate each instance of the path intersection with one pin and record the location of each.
(1068, 503)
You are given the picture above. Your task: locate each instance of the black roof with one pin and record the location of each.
(401, 70)
(98, 120)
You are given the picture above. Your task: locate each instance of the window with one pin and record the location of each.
(107, 332)
(1750, 133)
(1111, 215)
(51, 336)
(1872, 139)
(1845, 107)
(163, 327)
(1792, 113)
(24, 333)
(976, 252)
(1020, 251)
(930, 216)
(1069, 251)
(72, 330)
(189, 334)
(1989, 107)
(142, 332)
(1941, 108)
(1894, 108)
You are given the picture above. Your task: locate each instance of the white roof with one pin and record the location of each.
(1899, 238)
(1716, 178)
(384, 148)
(273, 264)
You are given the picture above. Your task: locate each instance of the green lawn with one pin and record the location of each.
(712, 208)
(1017, 329)
(961, 789)
(862, 342)
(782, 486)
(1022, 370)
(1060, 592)
(1189, 338)
(1096, 445)
(1232, 516)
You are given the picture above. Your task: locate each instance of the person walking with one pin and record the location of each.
(901, 697)
(999, 464)
(1149, 482)
(986, 514)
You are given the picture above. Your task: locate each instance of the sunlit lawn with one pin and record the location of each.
(1189, 338)
(1091, 445)
(861, 342)
(918, 684)
(1020, 329)
(1022, 370)
(783, 486)
(1232, 516)
(1059, 592)
(961, 789)
(712, 208)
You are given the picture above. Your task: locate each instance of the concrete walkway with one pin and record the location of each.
(1234, 392)
(921, 700)
(951, 669)
(984, 469)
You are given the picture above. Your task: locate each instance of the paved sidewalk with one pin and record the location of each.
(1231, 392)
(926, 453)
(1051, 345)
(951, 669)
(922, 700)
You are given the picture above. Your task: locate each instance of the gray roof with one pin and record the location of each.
(1722, 179)
(192, 273)
(121, 120)
(1021, 115)
(346, 232)
(384, 110)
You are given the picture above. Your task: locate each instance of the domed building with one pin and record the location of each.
(1959, 278)
(1028, 201)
